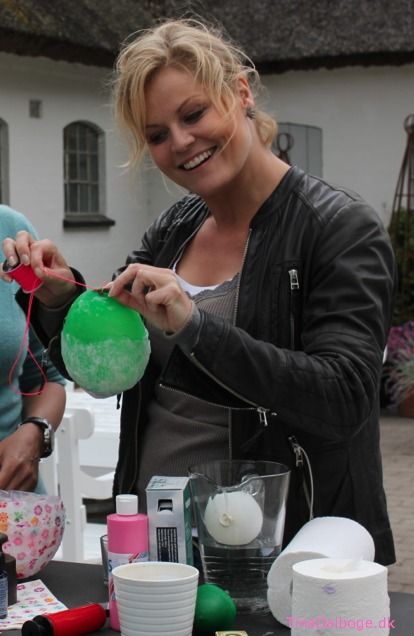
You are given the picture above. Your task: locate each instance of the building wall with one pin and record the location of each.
(360, 111)
(68, 93)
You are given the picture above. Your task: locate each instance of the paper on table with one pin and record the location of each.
(346, 596)
(33, 598)
(335, 537)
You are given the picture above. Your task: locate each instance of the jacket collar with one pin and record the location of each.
(279, 195)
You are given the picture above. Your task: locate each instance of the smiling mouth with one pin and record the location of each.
(198, 160)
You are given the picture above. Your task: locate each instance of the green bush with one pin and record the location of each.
(401, 231)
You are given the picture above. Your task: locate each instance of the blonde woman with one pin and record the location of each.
(266, 291)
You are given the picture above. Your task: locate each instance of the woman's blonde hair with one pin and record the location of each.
(189, 45)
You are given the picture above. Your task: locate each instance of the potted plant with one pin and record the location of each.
(401, 232)
(399, 367)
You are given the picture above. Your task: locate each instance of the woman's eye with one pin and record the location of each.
(194, 116)
(156, 137)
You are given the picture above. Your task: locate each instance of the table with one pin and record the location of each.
(78, 584)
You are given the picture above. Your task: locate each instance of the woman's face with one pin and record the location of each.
(189, 140)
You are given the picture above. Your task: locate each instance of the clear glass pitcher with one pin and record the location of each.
(239, 508)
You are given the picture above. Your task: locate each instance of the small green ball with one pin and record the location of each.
(215, 610)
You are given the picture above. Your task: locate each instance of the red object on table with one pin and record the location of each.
(70, 622)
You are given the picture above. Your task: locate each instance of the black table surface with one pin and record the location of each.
(76, 584)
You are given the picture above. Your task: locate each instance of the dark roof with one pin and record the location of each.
(277, 34)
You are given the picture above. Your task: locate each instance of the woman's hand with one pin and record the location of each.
(47, 263)
(19, 458)
(156, 294)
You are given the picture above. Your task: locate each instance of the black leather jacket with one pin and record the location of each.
(304, 357)
(301, 364)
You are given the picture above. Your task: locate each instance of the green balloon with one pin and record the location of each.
(105, 345)
(215, 610)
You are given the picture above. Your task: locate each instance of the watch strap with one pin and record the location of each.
(48, 433)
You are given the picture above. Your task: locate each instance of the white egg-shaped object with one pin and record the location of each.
(233, 518)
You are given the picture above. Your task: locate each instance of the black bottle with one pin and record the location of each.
(3, 580)
(10, 567)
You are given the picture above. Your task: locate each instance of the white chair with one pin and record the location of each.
(64, 473)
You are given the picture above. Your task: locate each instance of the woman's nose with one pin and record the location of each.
(181, 138)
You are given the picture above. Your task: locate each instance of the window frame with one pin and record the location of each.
(86, 218)
(306, 129)
(4, 163)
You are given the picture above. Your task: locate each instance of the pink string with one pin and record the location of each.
(53, 274)
(23, 344)
(25, 339)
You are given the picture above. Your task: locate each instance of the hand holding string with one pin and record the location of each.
(155, 293)
(48, 264)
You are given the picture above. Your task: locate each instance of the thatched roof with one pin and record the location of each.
(276, 34)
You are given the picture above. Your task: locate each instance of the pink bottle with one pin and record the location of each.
(127, 542)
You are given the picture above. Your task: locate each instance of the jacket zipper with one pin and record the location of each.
(297, 450)
(300, 465)
(294, 288)
(262, 416)
(261, 410)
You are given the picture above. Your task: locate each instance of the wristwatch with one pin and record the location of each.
(48, 433)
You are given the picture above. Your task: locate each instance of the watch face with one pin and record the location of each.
(48, 434)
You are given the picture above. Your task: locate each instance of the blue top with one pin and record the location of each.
(26, 375)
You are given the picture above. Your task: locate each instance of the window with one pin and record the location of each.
(84, 161)
(300, 145)
(4, 162)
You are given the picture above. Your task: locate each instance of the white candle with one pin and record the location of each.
(233, 518)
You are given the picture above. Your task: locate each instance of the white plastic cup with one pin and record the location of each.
(149, 592)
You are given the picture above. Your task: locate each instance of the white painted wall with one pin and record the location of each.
(360, 110)
(70, 92)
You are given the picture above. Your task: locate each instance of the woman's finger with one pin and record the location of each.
(155, 293)
(10, 251)
(44, 255)
(23, 242)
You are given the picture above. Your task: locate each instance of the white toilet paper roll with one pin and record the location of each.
(335, 537)
(339, 596)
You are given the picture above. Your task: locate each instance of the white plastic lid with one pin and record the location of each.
(126, 504)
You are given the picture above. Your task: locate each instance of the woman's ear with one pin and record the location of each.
(245, 94)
